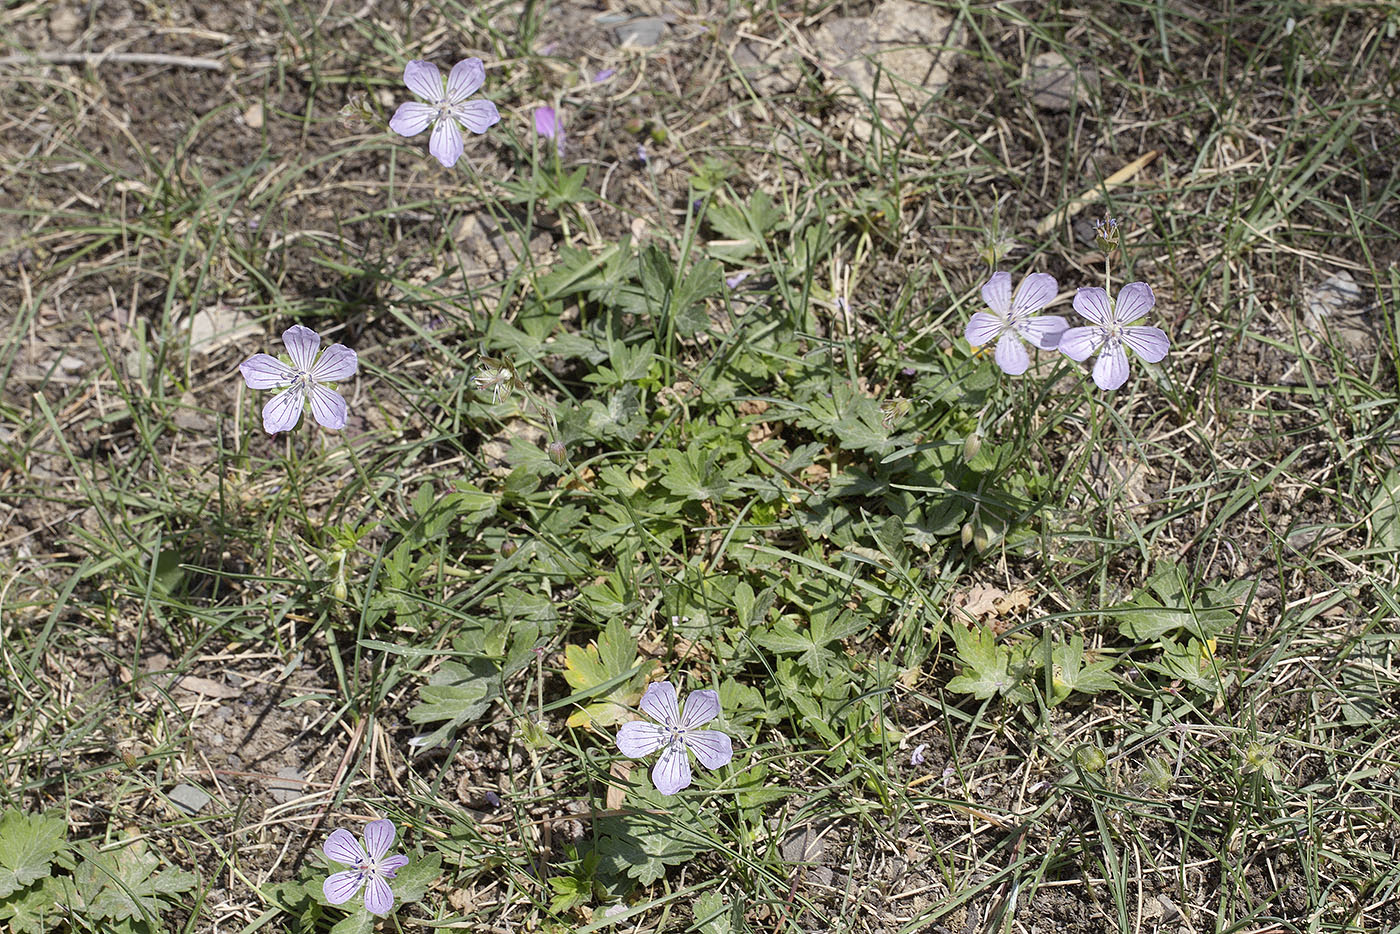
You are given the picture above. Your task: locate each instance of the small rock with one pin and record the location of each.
(65, 24)
(218, 325)
(1337, 307)
(288, 786)
(641, 33)
(253, 116)
(71, 364)
(1055, 83)
(190, 799)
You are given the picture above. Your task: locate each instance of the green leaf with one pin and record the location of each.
(28, 844)
(607, 668)
(1385, 512)
(127, 883)
(1069, 673)
(36, 909)
(641, 844)
(1165, 605)
(986, 672)
(711, 915)
(785, 639)
(456, 693)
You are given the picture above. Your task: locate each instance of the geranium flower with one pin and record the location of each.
(1111, 332)
(369, 870)
(1010, 322)
(446, 109)
(548, 125)
(306, 377)
(674, 733)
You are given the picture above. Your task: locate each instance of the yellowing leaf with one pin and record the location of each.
(607, 670)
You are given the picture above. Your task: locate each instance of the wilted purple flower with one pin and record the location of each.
(674, 733)
(642, 153)
(497, 376)
(1111, 332)
(917, 756)
(1011, 322)
(369, 869)
(304, 378)
(548, 125)
(604, 75)
(738, 278)
(446, 108)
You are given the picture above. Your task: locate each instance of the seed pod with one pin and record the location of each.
(967, 533)
(558, 452)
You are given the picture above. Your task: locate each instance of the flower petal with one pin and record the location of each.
(379, 836)
(997, 293)
(283, 411)
(302, 343)
(659, 702)
(477, 116)
(424, 80)
(328, 407)
(1037, 290)
(1149, 343)
(1092, 303)
(672, 770)
(700, 707)
(264, 371)
(340, 887)
(465, 79)
(337, 363)
(1111, 369)
(982, 328)
(342, 847)
(1011, 354)
(1043, 330)
(389, 867)
(379, 898)
(637, 738)
(711, 747)
(412, 118)
(446, 142)
(1135, 300)
(1080, 343)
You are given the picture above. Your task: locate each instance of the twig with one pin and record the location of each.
(119, 58)
(1058, 216)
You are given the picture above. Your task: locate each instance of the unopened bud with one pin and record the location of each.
(967, 534)
(339, 590)
(558, 452)
(980, 539)
(508, 548)
(971, 445)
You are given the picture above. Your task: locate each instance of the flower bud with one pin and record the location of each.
(508, 548)
(558, 452)
(980, 539)
(339, 590)
(971, 445)
(967, 534)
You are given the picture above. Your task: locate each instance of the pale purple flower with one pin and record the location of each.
(548, 125)
(917, 756)
(445, 108)
(304, 378)
(738, 278)
(369, 867)
(604, 75)
(674, 733)
(1010, 322)
(1111, 332)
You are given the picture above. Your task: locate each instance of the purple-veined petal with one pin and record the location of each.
(1092, 303)
(1043, 330)
(283, 411)
(264, 371)
(446, 142)
(412, 118)
(1135, 300)
(379, 898)
(1149, 343)
(465, 79)
(997, 293)
(390, 866)
(477, 116)
(1037, 290)
(424, 80)
(672, 770)
(659, 702)
(336, 364)
(328, 407)
(637, 738)
(700, 707)
(711, 747)
(1111, 369)
(1011, 354)
(342, 847)
(982, 328)
(1080, 343)
(340, 887)
(302, 343)
(379, 836)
